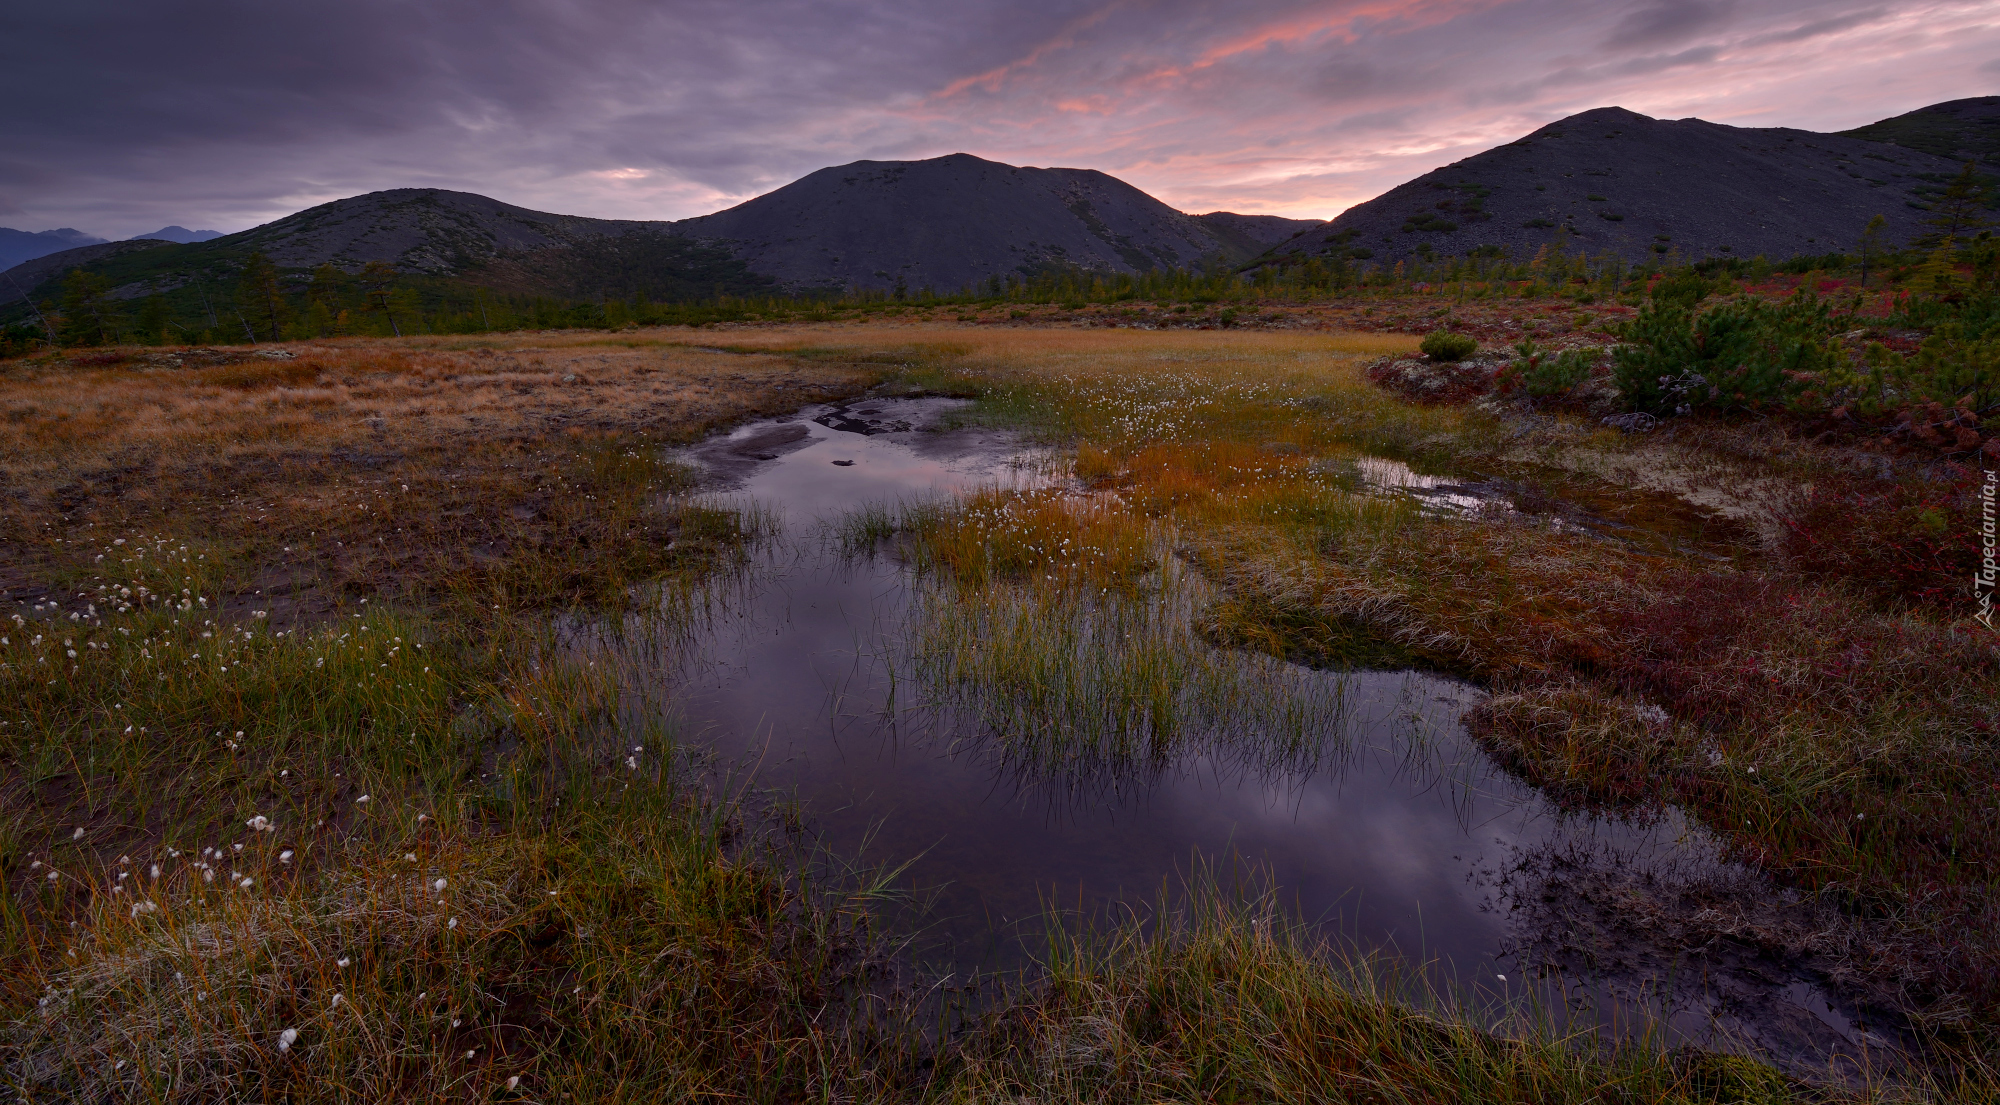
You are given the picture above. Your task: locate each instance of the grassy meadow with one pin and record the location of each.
(303, 799)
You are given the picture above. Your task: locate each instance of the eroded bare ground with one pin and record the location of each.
(315, 475)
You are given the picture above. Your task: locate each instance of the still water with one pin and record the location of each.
(802, 674)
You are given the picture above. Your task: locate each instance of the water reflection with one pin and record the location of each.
(843, 682)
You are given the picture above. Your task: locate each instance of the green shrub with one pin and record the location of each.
(1443, 345)
(1742, 355)
(1947, 369)
(1545, 373)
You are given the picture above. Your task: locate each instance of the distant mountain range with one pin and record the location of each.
(181, 234)
(1603, 181)
(17, 246)
(943, 223)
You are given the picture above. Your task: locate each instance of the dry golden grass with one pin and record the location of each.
(329, 471)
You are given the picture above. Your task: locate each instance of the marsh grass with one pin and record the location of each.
(1219, 996)
(1838, 742)
(1070, 682)
(633, 950)
(622, 933)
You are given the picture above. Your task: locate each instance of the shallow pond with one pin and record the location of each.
(805, 675)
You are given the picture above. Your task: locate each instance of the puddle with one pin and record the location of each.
(806, 672)
(1500, 498)
(1383, 474)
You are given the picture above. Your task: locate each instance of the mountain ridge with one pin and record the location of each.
(1614, 181)
(954, 221)
(18, 246)
(1963, 130)
(180, 234)
(1606, 180)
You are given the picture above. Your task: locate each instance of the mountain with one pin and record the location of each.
(1607, 180)
(180, 234)
(944, 223)
(420, 230)
(17, 246)
(1251, 235)
(1963, 130)
(1614, 181)
(1268, 230)
(948, 222)
(51, 268)
(423, 232)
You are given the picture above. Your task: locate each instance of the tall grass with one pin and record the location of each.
(1070, 682)
(1836, 741)
(1220, 998)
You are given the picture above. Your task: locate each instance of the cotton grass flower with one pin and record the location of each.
(287, 1038)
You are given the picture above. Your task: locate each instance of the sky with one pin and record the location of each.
(123, 117)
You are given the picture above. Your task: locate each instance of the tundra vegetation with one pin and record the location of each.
(306, 798)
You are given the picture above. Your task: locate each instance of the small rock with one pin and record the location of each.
(844, 463)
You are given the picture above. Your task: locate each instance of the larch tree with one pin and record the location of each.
(1962, 207)
(262, 295)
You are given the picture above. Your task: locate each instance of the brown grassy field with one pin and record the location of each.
(335, 471)
(290, 746)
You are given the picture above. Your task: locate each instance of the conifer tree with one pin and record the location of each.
(88, 317)
(376, 278)
(1962, 206)
(1938, 274)
(152, 322)
(262, 296)
(1873, 244)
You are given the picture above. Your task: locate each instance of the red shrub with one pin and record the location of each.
(1909, 538)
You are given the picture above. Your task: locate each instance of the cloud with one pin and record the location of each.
(1991, 66)
(1818, 28)
(1667, 22)
(229, 113)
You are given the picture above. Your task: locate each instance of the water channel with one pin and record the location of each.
(1388, 828)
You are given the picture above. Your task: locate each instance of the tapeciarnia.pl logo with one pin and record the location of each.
(1989, 537)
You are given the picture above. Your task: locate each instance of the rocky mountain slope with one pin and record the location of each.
(419, 230)
(1614, 181)
(1963, 130)
(948, 222)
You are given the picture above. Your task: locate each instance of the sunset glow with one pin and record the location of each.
(1302, 109)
